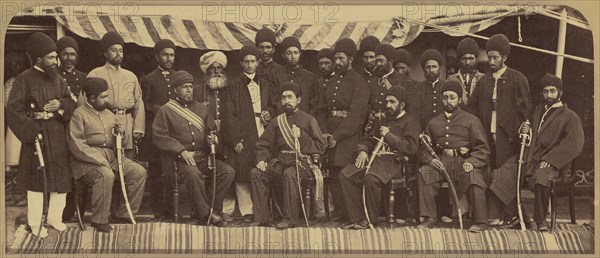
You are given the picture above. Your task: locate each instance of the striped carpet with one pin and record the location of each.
(184, 239)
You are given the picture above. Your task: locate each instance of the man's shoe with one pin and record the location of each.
(285, 224)
(543, 227)
(248, 218)
(428, 223)
(446, 219)
(476, 228)
(43, 232)
(216, 220)
(226, 217)
(495, 222)
(514, 224)
(106, 228)
(259, 224)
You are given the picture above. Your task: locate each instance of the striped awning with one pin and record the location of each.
(218, 35)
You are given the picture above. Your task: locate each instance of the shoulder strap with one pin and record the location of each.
(186, 114)
(286, 130)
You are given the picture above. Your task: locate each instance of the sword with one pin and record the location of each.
(212, 164)
(371, 159)
(120, 154)
(77, 209)
(40, 155)
(425, 139)
(525, 141)
(297, 147)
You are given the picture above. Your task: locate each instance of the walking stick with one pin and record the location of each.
(120, 154)
(425, 139)
(40, 155)
(525, 141)
(297, 147)
(212, 164)
(364, 194)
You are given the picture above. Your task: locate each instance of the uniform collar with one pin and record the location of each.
(250, 76)
(370, 73)
(555, 105)
(500, 72)
(38, 68)
(65, 70)
(388, 74)
(163, 71)
(433, 83)
(452, 115)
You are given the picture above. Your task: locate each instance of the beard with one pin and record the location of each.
(382, 70)
(101, 108)
(432, 76)
(469, 69)
(69, 63)
(551, 101)
(340, 69)
(325, 72)
(289, 109)
(50, 71)
(115, 61)
(168, 65)
(265, 57)
(216, 81)
(450, 108)
(391, 113)
(370, 67)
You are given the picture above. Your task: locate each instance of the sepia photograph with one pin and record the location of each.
(321, 129)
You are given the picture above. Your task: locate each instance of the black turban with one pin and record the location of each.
(290, 42)
(181, 77)
(346, 46)
(291, 86)
(369, 43)
(467, 46)
(452, 85)
(39, 44)
(398, 92)
(93, 86)
(403, 56)
(263, 35)
(109, 39)
(386, 50)
(431, 54)
(551, 80)
(162, 44)
(66, 42)
(249, 50)
(325, 53)
(498, 42)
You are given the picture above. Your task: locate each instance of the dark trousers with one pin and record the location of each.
(337, 195)
(352, 193)
(263, 182)
(70, 208)
(500, 210)
(198, 181)
(157, 186)
(542, 197)
(475, 195)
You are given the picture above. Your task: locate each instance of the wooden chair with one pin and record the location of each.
(406, 180)
(171, 177)
(563, 183)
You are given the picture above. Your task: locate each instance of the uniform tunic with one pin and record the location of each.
(242, 122)
(74, 79)
(324, 82)
(93, 146)
(377, 91)
(512, 107)
(349, 93)
(272, 148)
(305, 79)
(34, 85)
(156, 91)
(174, 134)
(460, 130)
(265, 70)
(431, 100)
(402, 140)
(124, 93)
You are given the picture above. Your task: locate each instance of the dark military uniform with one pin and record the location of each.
(448, 136)
(304, 78)
(431, 100)
(74, 79)
(402, 140)
(157, 89)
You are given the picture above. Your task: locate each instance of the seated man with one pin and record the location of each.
(93, 146)
(275, 153)
(459, 140)
(400, 134)
(182, 131)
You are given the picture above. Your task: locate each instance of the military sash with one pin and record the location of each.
(286, 131)
(187, 114)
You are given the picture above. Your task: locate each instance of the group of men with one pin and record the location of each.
(258, 134)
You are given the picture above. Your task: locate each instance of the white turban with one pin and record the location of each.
(211, 57)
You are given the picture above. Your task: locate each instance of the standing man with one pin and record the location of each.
(183, 129)
(325, 61)
(265, 41)
(557, 139)
(124, 95)
(68, 50)
(402, 65)
(92, 142)
(293, 72)
(157, 89)
(459, 140)
(400, 134)
(468, 75)
(276, 160)
(502, 101)
(430, 88)
(40, 103)
(387, 78)
(346, 102)
(249, 111)
(366, 51)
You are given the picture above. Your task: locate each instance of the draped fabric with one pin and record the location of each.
(145, 30)
(185, 238)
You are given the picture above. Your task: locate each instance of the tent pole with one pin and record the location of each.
(562, 38)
